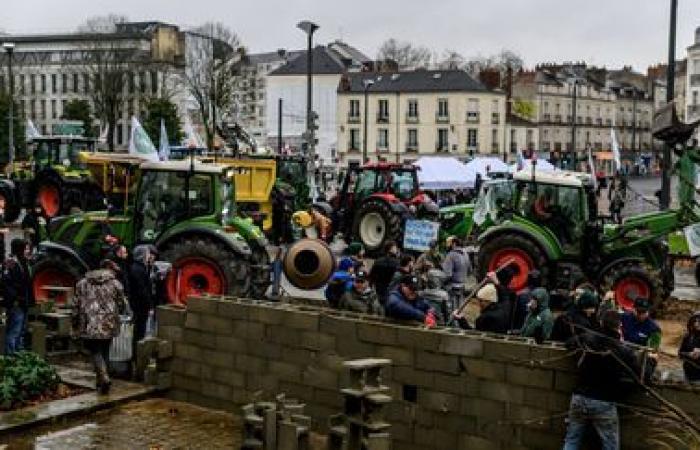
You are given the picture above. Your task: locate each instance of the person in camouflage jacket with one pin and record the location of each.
(99, 299)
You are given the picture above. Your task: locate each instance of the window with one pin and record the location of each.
(354, 143)
(513, 141)
(43, 109)
(545, 107)
(154, 82)
(32, 105)
(2, 83)
(354, 110)
(413, 108)
(473, 110)
(142, 84)
(472, 141)
(383, 112)
(54, 83)
(494, 140)
(495, 115)
(132, 83)
(64, 83)
(443, 140)
(695, 98)
(54, 113)
(63, 106)
(383, 138)
(32, 83)
(443, 110)
(412, 138)
(75, 83)
(86, 83)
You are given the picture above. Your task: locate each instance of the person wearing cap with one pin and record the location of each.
(430, 259)
(361, 297)
(494, 317)
(638, 328)
(580, 316)
(406, 263)
(356, 252)
(340, 282)
(603, 364)
(539, 319)
(689, 351)
(404, 303)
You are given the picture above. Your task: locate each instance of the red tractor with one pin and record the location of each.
(375, 200)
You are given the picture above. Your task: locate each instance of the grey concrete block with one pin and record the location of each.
(377, 333)
(483, 368)
(233, 310)
(534, 377)
(438, 401)
(461, 345)
(437, 362)
(169, 315)
(302, 320)
(203, 305)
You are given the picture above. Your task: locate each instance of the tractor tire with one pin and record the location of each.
(12, 207)
(260, 272)
(54, 270)
(376, 224)
(201, 265)
(50, 197)
(526, 256)
(631, 280)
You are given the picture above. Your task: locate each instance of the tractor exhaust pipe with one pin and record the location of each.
(308, 264)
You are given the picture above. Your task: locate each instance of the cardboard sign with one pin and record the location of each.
(692, 237)
(418, 234)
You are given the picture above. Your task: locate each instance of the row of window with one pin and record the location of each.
(412, 110)
(442, 139)
(78, 83)
(598, 146)
(49, 109)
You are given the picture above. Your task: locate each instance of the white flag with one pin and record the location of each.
(139, 142)
(591, 165)
(30, 130)
(103, 134)
(615, 150)
(164, 145)
(192, 138)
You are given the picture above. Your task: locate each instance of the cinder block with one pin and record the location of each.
(187, 351)
(536, 417)
(438, 401)
(250, 364)
(437, 362)
(285, 371)
(455, 384)
(472, 442)
(481, 407)
(299, 356)
(191, 369)
(266, 315)
(503, 392)
(218, 325)
(229, 377)
(485, 369)
(399, 356)
(184, 383)
(457, 423)
(283, 335)
(248, 330)
(377, 333)
(540, 439)
(302, 320)
(169, 315)
(204, 339)
(418, 338)
(265, 383)
(506, 350)
(231, 344)
(455, 344)
(214, 389)
(267, 349)
(525, 376)
(193, 320)
(350, 347)
(341, 327)
(330, 361)
(296, 390)
(315, 376)
(172, 333)
(328, 397)
(164, 350)
(178, 395)
(564, 382)
(314, 340)
(233, 310)
(411, 376)
(435, 438)
(38, 334)
(205, 305)
(218, 359)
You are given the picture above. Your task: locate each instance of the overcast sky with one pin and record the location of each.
(602, 32)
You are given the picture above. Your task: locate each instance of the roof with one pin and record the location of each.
(560, 177)
(325, 62)
(73, 37)
(271, 57)
(413, 81)
(184, 166)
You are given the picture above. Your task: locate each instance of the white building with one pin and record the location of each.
(289, 84)
(693, 81)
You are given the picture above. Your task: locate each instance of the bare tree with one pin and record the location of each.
(452, 60)
(405, 54)
(213, 51)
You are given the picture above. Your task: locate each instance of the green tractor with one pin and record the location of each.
(55, 178)
(549, 221)
(188, 211)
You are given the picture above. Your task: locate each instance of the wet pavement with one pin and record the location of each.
(148, 424)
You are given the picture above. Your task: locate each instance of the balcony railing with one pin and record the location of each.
(353, 118)
(442, 147)
(695, 80)
(472, 117)
(353, 147)
(383, 118)
(412, 118)
(693, 110)
(546, 117)
(495, 118)
(442, 118)
(383, 148)
(411, 148)
(557, 118)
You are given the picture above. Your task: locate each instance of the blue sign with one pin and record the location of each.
(418, 234)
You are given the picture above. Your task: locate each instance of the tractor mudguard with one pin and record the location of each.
(48, 247)
(550, 247)
(389, 198)
(233, 241)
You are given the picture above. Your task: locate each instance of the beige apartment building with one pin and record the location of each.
(418, 113)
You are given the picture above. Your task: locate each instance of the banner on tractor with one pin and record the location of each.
(418, 234)
(692, 237)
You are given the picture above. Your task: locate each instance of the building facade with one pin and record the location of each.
(692, 105)
(418, 113)
(288, 83)
(51, 70)
(522, 135)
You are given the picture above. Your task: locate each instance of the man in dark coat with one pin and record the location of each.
(494, 316)
(383, 269)
(404, 303)
(689, 350)
(17, 294)
(580, 316)
(140, 291)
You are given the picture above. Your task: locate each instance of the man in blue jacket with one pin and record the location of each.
(405, 304)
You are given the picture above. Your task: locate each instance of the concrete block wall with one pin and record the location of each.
(451, 390)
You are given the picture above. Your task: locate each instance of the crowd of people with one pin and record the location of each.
(123, 285)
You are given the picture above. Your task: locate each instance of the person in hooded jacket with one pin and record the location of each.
(140, 291)
(580, 316)
(17, 294)
(539, 320)
(120, 255)
(98, 302)
(534, 280)
(689, 351)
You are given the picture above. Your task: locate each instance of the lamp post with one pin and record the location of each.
(367, 84)
(573, 123)
(665, 198)
(9, 49)
(309, 28)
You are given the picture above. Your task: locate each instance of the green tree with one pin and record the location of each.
(524, 109)
(80, 110)
(162, 108)
(19, 134)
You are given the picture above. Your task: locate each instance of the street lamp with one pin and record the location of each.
(309, 28)
(9, 49)
(665, 197)
(574, 112)
(367, 84)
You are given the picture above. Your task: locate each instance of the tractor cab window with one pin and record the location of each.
(402, 184)
(556, 207)
(169, 197)
(365, 184)
(290, 171)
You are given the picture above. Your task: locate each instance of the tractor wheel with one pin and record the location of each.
(12, 208)
(631, 280)
(48, 195)
(524, 253)
(203, 266)
(260, 272)
(53, 270)
(375, 224)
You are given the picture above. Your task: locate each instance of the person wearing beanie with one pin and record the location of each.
(356, 252)
(494, 317)
(603, 363)
(639, 328)
(361, 298)
(340, 282)
(404, 303)
(17, 294)
(539, 319)
(689, 351)
(580, 316)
